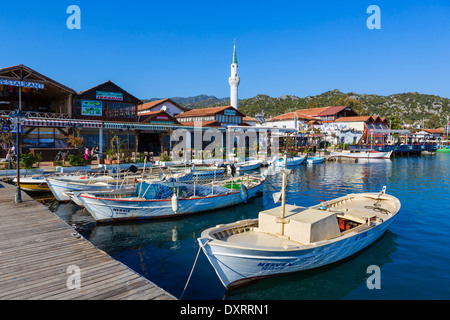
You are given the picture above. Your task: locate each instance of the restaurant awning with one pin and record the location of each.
(61, 123)
(146, 126)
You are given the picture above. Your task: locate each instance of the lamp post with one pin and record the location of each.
(18, 118)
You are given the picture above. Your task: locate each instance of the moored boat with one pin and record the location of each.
(248, 165)
(292, 238)
(306, 238)
(169, 199)
(33, 184)
(369, 154)
(290, 162)
(58, 185)
(312, 160)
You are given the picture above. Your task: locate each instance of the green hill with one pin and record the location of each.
(409, 108)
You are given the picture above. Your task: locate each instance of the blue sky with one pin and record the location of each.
(184, 48)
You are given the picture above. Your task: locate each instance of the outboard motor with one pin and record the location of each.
(232, 169)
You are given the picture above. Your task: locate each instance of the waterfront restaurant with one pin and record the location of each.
(46, 104)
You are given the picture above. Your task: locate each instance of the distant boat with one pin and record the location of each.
(294, 161)
(311, 160)
(372, 154)
(300, 239)
(168, 199)
(445, 149)
(246, 165)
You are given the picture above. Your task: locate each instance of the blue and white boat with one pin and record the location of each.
(168, 199)
(312, 160)
(299, 239)
(290, 162)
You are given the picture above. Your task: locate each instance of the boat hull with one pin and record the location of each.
(33, 184)
(58, 187)
(236, 266)
(250, 166)
(362, 155)
(291, 162)
(315, 160)
(105, 209)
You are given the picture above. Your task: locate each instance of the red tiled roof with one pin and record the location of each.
(434, 131)
(356, 119)
(152, 116)
(206, 112)
(331, 111)
(323, 111)
(211, 123)
(248, 118)
(291, 115)
(151, 104)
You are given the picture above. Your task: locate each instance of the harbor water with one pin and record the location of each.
(413, 255)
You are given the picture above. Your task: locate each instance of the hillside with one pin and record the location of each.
(409, 108)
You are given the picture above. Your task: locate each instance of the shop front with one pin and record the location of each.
(107, 103)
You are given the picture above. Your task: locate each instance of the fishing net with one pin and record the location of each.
(165, 190)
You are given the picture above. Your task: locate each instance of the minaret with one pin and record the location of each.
(234, 80)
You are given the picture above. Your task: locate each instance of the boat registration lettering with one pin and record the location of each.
(121, 211)
(361, 236)
(274, 265)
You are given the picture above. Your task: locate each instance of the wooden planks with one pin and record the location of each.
(37, 250)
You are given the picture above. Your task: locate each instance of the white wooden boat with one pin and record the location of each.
(368, 154)
(294, 238)
(58, 185)
(168, 199)
(248, 165)
(290, 162)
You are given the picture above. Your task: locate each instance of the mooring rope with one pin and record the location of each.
(192, 270)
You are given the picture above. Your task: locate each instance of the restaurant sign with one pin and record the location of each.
(230, 112)
(115, 96)
(91, 108)
(24, 84)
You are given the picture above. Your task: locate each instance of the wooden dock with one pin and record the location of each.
(43, 258)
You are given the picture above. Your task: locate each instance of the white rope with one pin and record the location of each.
(192, 270)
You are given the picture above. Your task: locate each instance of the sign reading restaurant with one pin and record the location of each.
(115, 96)
(24, 84)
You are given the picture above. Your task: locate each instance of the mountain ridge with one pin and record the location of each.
(409, 108)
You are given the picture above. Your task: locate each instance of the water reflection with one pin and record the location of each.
(334, 281)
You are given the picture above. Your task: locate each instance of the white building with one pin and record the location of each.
(234, 80)
(168, 105)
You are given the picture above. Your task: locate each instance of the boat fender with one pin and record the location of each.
(175, 205)
(244, 193)
(322, 207)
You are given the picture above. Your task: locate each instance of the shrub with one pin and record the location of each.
(76, 160)
(28, 160)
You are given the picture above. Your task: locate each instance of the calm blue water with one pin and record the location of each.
(413, 256)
